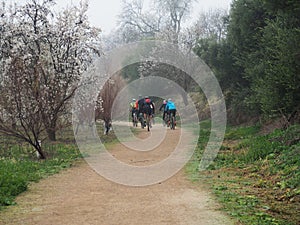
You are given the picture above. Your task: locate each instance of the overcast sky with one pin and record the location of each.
(103, 13)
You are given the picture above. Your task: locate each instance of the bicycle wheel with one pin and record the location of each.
(142, 122)
(135, 120)
(172, 123)
(167, 120)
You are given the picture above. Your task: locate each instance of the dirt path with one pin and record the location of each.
(80, 196)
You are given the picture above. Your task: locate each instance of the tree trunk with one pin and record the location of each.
(51, 132)
(51, 128)
(41, 153)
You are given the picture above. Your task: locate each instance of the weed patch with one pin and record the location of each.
(255, 177)
(18, 169)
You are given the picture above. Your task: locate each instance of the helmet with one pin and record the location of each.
(169, 99)
(146, 96)
(165, 101)
(133, 99)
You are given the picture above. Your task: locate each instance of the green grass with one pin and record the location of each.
(19, 165)
(255, 177)
(192, 167)
(19, 169)
(235, 133)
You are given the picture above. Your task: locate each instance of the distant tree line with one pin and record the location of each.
(258, 63)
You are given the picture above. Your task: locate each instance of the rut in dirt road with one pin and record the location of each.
(80, 196)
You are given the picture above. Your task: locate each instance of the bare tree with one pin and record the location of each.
(107, 97)
(141, 23)
(212, 24)
(175, 11)
(163, 21)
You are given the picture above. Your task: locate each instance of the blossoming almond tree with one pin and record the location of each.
(72, 46)
(42, 58)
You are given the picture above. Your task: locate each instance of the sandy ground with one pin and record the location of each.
(80, 196)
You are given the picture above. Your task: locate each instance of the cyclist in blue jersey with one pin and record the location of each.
(171, 108)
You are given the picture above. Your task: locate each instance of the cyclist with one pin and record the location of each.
(171, 108)
(133, 108)
(164, 107)
(148, 107)
(138, 106)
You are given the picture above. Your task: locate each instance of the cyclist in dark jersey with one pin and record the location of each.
(139, 104)
(148, 109)
(148, 106)
(164, 107)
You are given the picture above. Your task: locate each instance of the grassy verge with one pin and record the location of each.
(19, 165)
(19, 169)
(255, 177)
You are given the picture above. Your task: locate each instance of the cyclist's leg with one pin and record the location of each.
(175, 116)
(148, 116)
(171, 118)
(168, 118)
(141, 117)
(145, 118)
(151, 117)
(135, 120)
(148, 121)
(132, 116)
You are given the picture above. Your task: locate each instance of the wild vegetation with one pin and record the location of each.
(257, 63)
(256, 173)
(256, 177)
(20, 166)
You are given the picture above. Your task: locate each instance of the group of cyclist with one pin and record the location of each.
(144, 107)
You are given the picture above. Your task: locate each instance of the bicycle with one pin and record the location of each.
(148, 121)
(172, 122)
(135, 120)
(166, 120)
